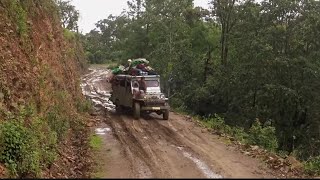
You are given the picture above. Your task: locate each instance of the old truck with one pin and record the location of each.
(124, 89)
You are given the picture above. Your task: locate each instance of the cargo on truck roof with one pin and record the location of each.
(136, 67)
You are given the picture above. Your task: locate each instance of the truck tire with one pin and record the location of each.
(166, 115)
(136, 112)
(118, 107)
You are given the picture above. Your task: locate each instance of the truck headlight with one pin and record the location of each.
(162, 96)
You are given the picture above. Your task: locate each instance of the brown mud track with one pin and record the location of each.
(155, 148)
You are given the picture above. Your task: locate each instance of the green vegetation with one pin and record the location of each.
(69, 35)
(30, 135)
(83, 105)
(19, 17)
(95, 142)
(243, 60)
(57, 122)
(27, 148)
(312, 166)
(263, 136)
(68, 14)
(29, 141)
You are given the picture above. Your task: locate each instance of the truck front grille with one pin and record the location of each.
(154, 103)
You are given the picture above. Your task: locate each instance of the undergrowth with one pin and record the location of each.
(258, 134)
(69, 35)
(19, 16)
(95, 142)
(312, 166)
(83, 105)
(27, 143)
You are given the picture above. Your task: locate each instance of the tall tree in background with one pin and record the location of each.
(225, 11)
(69, 15)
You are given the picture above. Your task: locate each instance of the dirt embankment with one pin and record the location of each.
(155, 148)
(36, 60)
(41, 67)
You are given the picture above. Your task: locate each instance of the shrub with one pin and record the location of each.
(69, 35)
(83, 105)
(239, 134)
(263, 136)
(216, 123)
(95, 142)
(19, 16)
(26, 147)
(58, 122)
(18, 150)
(312, 166)
(257, 135)
(46, 141)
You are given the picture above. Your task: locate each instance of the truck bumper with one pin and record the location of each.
(154, 108)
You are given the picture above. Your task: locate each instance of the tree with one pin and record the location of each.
(225, 11)
(69, 15)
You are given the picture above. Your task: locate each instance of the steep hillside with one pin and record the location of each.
(36, 60)
(40, 96)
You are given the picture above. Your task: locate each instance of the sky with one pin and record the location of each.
(91, 11)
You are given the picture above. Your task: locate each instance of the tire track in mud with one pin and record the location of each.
(145, 145)
(168, 155)
(133, 148)
(173, 141)
(164, 159)
(189, 147)
(177, 140)
(210, 148)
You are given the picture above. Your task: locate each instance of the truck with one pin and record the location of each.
(123, 95)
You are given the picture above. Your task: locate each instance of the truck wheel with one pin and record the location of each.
(136, 110)
(166, 115)
(118, 107)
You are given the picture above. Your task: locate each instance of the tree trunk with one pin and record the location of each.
(206, 65)
(223, 44)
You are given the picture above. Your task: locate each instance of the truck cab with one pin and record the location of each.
(126, 94)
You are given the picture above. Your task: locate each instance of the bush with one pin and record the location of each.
(58, 122)
(69, 35)
(216, 123)
(312, 166)
(46, 140)
(257, 135)
(239, 134)
(83, 105)
(95, 142)
(17, 150)
(26, 147)
(263, 136)
(19, 16)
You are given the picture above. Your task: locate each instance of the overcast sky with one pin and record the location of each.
(91, 11)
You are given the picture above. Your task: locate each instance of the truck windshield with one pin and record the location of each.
(152, 83)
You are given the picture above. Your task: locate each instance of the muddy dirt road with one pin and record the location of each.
(155, 148)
